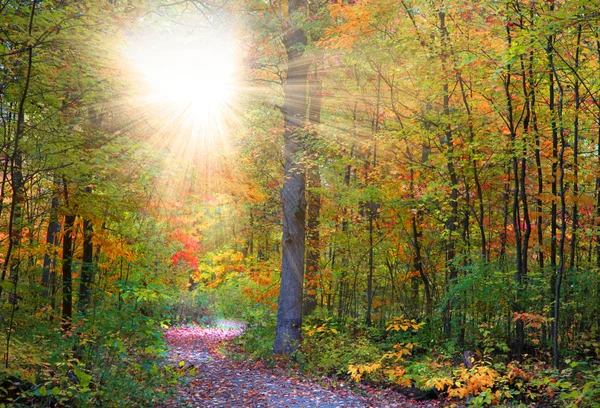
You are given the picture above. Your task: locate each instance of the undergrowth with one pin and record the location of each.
(112, 357)
(394, 354)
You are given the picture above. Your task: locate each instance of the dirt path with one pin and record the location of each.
(221, 382)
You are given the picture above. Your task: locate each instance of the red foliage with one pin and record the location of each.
(191, 248)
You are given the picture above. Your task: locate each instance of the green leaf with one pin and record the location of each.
(6, 285)
(84, 378)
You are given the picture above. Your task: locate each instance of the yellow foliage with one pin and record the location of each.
(356, 371)
(401, 323)
(219, 267)
(396, 374)
(389, 361)
(356, 23)
(467, 382)
(320, 329)
(440, 383)
(473, 381)
(402, 349)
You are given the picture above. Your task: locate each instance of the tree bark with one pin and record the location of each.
(67, 262)
(563, 224)
(87, 266)
(289, 313)
(314, 203)
(451, 222)
(16, 170)
(52, 240)
(575, 210)
(67, 279)
(479, 215)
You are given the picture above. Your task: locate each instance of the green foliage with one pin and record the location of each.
(586, 393)
(230, 301)
(180, 308)
(331, 355)
(419, 371)
(112, 359)
(329, 347)
(123, 353)
(257, 340)
(445, 243)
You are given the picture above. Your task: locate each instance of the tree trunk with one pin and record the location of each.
(479, 215)
(343, 285)
(15, 226)
(67, 262)
(52, 240)
(87, 266)
(575, 211)
(67, 279)
(372, 211)
(451, 222)
(314, 205)
(597, 212)
(563, 224)
(289, 313)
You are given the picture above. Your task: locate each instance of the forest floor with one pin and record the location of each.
(214, 380)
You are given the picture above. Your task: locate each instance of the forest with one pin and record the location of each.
(373, 202)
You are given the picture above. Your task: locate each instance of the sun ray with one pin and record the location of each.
(185, 100)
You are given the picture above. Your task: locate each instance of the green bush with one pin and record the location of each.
(229, 299)
(257, 341)
(587, 392)
(328, 347)
(112, 357)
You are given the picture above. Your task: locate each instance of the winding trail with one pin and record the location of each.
(216, 381)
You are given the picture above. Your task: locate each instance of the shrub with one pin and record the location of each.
(257, 341)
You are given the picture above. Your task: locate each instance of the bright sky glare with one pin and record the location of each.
(185, 82)
(190, 71)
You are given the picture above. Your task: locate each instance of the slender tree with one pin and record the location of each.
(87, 264)
(313, 200)
(67, 263)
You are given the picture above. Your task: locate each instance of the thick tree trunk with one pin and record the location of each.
(289, 313)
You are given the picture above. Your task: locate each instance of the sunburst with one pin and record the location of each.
(186, 88)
